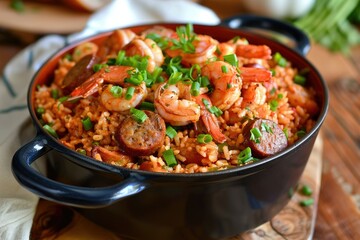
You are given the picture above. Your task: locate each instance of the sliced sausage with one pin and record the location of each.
(141, 139)
(82, 70)
(271, 140)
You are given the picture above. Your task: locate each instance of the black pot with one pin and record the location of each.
(147, 205)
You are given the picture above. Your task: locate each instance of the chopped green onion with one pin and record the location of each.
(186, 39)
(195, 89)
(204, 138)
(280, 60)
(120, 57)
(280, 96)
(97, 67)
(40, 110)
(300, 133)
(55, 93)
(232, 59)
(300, 80)
(116, 91)
(17, 5)
(192, 69)
(87, 124)
(273, 72)
(129, 93)
(224, 69)
(272, 91)
(306, 190)
(245, 156)
(307, 202)
(285, 130)
(50, 130)
(266, 128)
(147, 106)
(68, 57)
(175, 77)
(81, 151)
(216, 111)
(171, 132)
(138, 115)
(204, 81)
(255, 135)
(169, 158)
(273, 105)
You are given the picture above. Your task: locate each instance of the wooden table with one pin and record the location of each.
(338, 215)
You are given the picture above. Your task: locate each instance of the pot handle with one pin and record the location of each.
(301, 40)
(63, 193)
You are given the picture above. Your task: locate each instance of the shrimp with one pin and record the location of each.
(105, 155)
(253, 93)
(115, 42)
(254, 74)
(84, 49)
(253, 51)
(111, 74)
(226, 48)
(226, 81)
(146, 47)
(205, 47)
(120, 103)
(160, 31)
(176, 111)
(209, 119)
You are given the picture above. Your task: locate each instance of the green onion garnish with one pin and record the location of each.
(171, 132)
(204, 138)
(17, 5)
(175, 77)
(138, 115)
(87, 124)
(245, 156)
(266, 128)
(55, 93)
(306, 190)
(307, 202)
(81, 151)
(224, 69)
(280, 60)
(300, 80)
(50, 130)
(169, 158)
(186, 39)
(40, 110)
(273, 105)
(300, 133)
(255, 135)
(232, 59)
(273, 72)
(97, 67)
(116, 91)
(129, 93)
(285, 130)
(204, 81)
(147, 106)
(195, 89)
(120, 57)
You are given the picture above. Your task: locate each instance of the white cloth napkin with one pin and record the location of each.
(17, 205)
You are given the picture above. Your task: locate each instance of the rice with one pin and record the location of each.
(289, 105)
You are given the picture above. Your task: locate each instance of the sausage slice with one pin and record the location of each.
(141, 139)
(82, 70)
(268, 140)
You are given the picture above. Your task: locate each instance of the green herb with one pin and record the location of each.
(138, 115)
(171, 132)
(129, 93)
(97, 67)
(195, 89)
(266, 128)
(50, 130)
(300, 133)
(147, 106)
(255, 135)
(175, 77)
(81, 151)
(273, 72)
(163, 43)
(68, 57)
(40, 110)
(307, 202)
(17, 5)
(301, 80)
(232, 59)
(186, 39)
(116, 91)
(169, 158)
(273, 105)
(245, 156)
(212, 109)
(55, 93)
(280, 60)
(285, 130)
(204, 81)
(204, 138)
(224, 69)
(87, 124)
(306, 190)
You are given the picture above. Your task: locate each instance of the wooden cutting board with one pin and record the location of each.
(59, 222)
